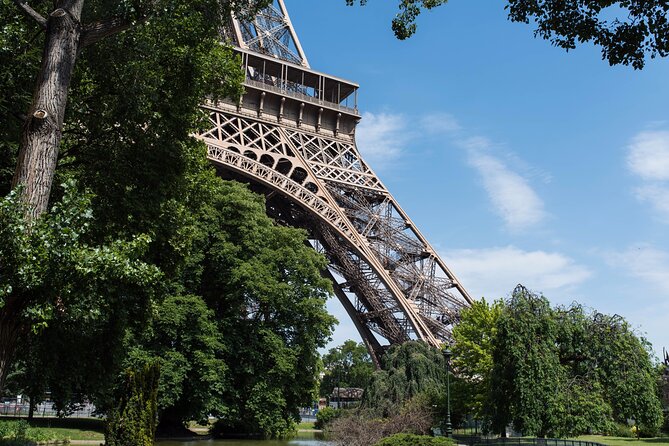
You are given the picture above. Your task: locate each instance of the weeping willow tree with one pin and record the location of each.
(408, 370)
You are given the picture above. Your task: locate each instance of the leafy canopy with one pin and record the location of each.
(627, 31)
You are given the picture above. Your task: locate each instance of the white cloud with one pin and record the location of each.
(644, 262)
(648, 155)
(440, 123)
(649, 267)
(657, 196)
(511, 195)
(381, 137)
(648, 158)
(494, 272)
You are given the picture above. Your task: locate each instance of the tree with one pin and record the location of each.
(69, 27)
(133, 421)
(264, 284)
(70, 282)
(407, 371)
(472, 353)
(561, 372)
(184, 340)
(72, 30)
(348, 365)
(526, 370)
(627, 31)
(403, 24)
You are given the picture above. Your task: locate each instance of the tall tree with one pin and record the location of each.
(70, 26)
(472, 353)
(60, 281)
(407, 371)
(103, 123)
(348, 365)
(526, 370)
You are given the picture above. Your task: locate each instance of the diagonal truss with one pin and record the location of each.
(292, 136)
(271, 33)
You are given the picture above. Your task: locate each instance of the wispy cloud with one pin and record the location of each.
(440, 123)
(658, 196)
(494, 272)
(644, 262)
(381, 137)
(510, 193)
(648, 158)
(648, 155)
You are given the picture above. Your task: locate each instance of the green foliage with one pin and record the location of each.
(622, 430)
(235, 289)
(58, 281)
(133, 421)
(408, 370)
(404, 23)
(414, 440)
(472, 354)
(605, 351)
(20, 433)
(325, 416)
(627, 31)
(553, 372)
(526, 370)
(348, 365)
(183, 338)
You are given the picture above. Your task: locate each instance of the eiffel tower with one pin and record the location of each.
(292, 137)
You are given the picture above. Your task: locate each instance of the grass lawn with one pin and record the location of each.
(68, 428)
(620, 441)
(306, 425)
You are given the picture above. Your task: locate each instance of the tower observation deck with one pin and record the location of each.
(292, 137)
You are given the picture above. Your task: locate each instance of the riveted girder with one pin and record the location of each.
(292, 135)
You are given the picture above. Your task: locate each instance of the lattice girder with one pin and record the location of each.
(292, 135)
(389, 270)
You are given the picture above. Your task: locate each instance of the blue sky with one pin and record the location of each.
(521, 163)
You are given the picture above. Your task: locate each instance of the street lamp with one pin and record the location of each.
(449, 428)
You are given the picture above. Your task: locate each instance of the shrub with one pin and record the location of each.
(133, 421)
(6, 429)
(325, 416)
(414, 440)
(622, 430)
(648, 431)
(366, 429)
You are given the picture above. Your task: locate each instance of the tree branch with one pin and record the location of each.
(30, 12)
(96, 31)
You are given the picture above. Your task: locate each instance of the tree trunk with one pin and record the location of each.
(42, 131)
(40, 140)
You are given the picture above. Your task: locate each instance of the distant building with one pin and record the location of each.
(342, 397)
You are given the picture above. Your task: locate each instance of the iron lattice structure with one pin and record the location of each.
(292, 136)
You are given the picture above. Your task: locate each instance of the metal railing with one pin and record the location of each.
(520, 441)
(44, 410)
(300, 96)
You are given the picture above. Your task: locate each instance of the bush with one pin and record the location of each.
(414, 440)
(133, 421)
(6, 429)
(622, 430)
(361, 428)
(648, 432)
(325, 416)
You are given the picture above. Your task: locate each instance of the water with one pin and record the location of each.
(302, 439)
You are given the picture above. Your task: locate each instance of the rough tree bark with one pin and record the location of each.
(42, 131)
